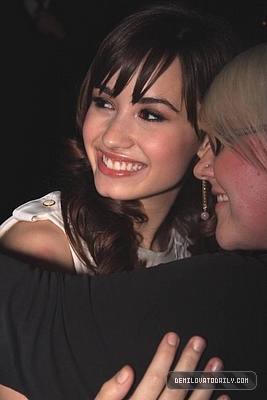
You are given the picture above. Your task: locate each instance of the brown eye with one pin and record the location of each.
(215, 145)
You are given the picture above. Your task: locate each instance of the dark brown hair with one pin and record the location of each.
(153, 38)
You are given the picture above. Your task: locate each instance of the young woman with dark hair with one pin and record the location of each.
(129, 198)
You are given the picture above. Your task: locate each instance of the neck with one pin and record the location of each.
(156, 232)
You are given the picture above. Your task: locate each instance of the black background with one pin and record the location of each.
(40, 82)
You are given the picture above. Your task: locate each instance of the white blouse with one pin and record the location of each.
(48, 207)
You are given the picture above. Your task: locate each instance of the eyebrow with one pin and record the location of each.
(143, 100)
(152, 100)
(105, 89)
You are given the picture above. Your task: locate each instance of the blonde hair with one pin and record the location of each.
(235, 107)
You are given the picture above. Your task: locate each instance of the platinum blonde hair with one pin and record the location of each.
(235, 107)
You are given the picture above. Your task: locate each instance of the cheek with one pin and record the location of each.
(245, 185)
(254, 192)
(89, 127)
(229, 170)
(185, 150)
(90, 134)
(86, 129)
(172, 156)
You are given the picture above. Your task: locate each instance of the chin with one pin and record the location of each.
(114, 196)
(225, 242)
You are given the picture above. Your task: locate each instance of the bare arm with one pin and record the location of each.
(41, 244)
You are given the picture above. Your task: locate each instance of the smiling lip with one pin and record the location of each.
(117, 167)
(222, 199)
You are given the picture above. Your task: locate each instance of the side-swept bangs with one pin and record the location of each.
(148, 42)
(146, 53)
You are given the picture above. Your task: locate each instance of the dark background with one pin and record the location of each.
(41, 76)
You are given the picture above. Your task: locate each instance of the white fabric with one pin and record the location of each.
(48, 207)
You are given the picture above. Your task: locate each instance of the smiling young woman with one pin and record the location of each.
(63, 336)
(128, 197)
(237, 157)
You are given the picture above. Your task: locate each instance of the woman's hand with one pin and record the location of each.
(153, 384)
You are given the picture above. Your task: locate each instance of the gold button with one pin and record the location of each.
(49, 203)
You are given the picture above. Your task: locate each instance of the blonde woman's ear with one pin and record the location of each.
(204, 146)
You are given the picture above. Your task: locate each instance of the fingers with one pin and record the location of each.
(187, 362)
(191, 354)
(154, 379)
(118, 386)
(215, 364)
(153, 385)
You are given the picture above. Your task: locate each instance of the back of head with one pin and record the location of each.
(235, 106)
(153, 38)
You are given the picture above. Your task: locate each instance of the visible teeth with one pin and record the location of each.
(109, 164)
(116, 166)
(121, 166)
(222, 197)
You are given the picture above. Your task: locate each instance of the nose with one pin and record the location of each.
(204, 168)
(117, 135)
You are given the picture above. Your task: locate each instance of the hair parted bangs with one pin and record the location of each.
(147, 54)
(148, 65)
(235, 107)
(148, 42)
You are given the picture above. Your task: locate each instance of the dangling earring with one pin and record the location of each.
(204, 215)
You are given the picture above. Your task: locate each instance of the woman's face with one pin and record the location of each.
(241, 190)
(140, 151)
